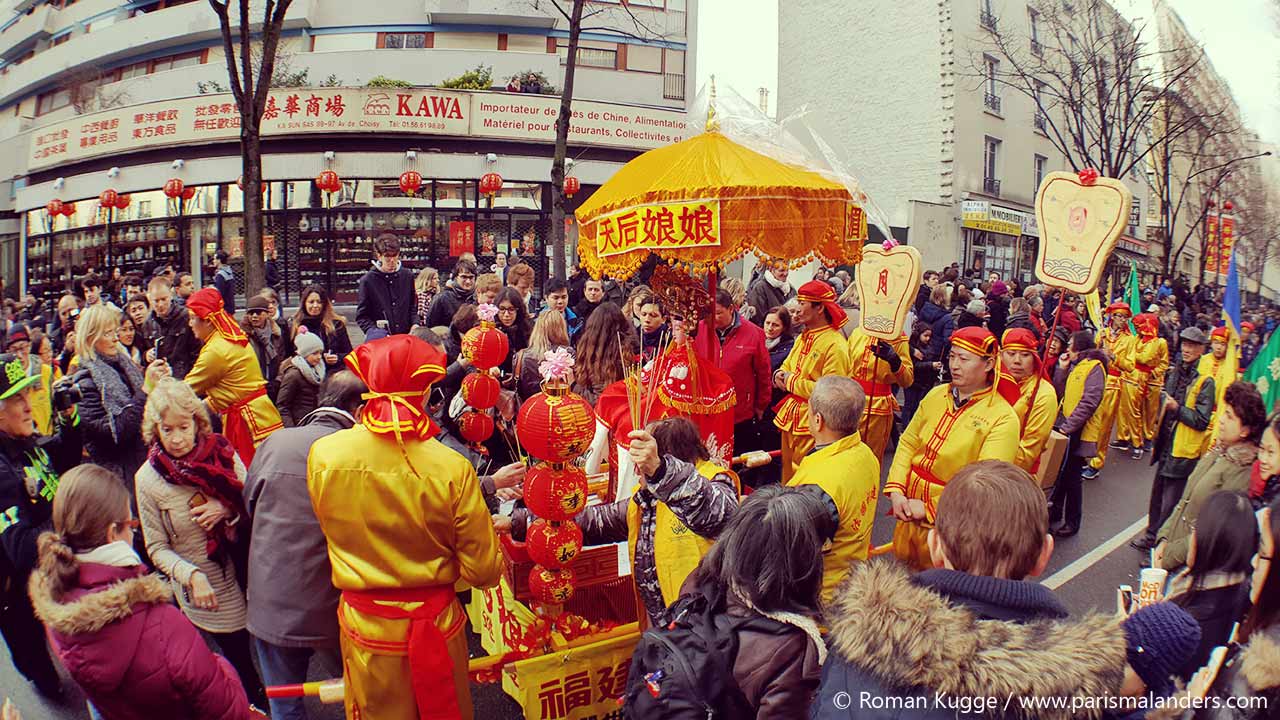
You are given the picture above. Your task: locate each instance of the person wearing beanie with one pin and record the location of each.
(1159, 640)
(300, 379)
(998, 308)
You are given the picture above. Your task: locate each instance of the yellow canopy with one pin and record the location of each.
(706, 201)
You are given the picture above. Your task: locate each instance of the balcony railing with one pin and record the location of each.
(1037, 49)
(987, 20)
(991, 186)
(992, 101)
(673, 86)
(1040, 122)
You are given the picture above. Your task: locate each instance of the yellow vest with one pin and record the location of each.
(677, 550)
(849, 473)
(1074, 391)
(1188, 443)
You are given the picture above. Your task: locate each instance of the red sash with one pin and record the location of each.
(1144, 367)
(236, 427)
(875, 389)
(430, 667)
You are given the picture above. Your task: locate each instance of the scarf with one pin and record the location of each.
(771, 344)
(210, 468)
(775, 282)
(118, 381)
(309, 371)
(115, 554)
(264, 337)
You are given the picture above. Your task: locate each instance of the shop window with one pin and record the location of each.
(53, 100)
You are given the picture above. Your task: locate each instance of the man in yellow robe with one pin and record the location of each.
(405, 521)
(1224, 371)
(877, 366)
(1116, 341)
(1134, 420)
(1037, 405)
(959, 423)
(227, 374)
(846, 473)
(819, 350)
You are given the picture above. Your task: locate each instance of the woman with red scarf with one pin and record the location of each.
(191, 504)
(228, 375)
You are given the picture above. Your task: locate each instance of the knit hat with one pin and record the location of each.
(18, 333)
(998, 288)
(1160, 640)
(307, 342)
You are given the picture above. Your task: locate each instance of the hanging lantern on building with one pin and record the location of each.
(328, 181)
(480, 390)
(556, 425)
(188, 194)
(173, 188)
(240, 184)
(485, 345)
(123, 200)
(1228, 206)
(108, 199)
(410, 182)
(555, 492)
(490, 184)
(69, 209)
(551, 587)
(475, 427)
(571, 186)
(54, 208)
(553, 545)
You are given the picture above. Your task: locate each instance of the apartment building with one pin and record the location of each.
(105, 94)
(951, 154)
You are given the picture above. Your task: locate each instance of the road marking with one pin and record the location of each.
(1084, 562)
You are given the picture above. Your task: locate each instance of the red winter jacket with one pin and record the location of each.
(744, 356)
(136, 656)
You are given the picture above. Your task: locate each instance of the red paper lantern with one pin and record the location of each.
(556, 426)
(475, 427)
(328, 181)
(490, 184)
(173, 188)
(410, 182)
(555, 492)
(123, 201)
(571, 186)
(240, 184)
(69, 209)
(188, 193)
(108, 198)
(480, 390)
(54, 208)
(485, 345)
(553, 544)
(551, 587)
(1228, 206)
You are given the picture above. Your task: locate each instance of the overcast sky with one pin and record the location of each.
(738, 41)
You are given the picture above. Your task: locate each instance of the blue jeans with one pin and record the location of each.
(287, 666)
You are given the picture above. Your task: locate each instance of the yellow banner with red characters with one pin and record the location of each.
(660, 226)
(1228, 230)
(1211, 244)
(498, 618)
(582, 683)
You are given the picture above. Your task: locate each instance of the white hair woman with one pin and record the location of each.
(191, 503)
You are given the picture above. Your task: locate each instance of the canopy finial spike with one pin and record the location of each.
(713, 123)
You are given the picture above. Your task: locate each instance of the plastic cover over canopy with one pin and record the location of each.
(706, 201)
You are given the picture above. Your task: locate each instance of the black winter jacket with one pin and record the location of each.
(387, 296)
(446, 306)
(29, 470)
(112, 431)
(172, 334)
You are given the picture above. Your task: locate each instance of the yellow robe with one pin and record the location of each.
(877, 380)
(1037, 408)
(226, 373)
(849, 474)
(1135, 391)
(388, 529)
(1120, 343)
(1223, 373)
(940, 440)
(1155, 385)
(816, 353)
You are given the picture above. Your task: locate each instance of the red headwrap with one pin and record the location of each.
(206, 303)
(1119, 307)
(1019, 339)
(816, 291)
(399, 371)
(977, 340)
(1147, 325)
(1246, 325)
(1220, 333)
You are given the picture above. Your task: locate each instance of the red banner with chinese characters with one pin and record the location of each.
(1228, 230)
(666, 226)
(462, 238)
(1211, 243)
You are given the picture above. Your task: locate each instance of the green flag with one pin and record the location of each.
(1134, 296)
(1264, 372)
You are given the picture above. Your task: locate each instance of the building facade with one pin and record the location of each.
(100, 94)
(951, 154)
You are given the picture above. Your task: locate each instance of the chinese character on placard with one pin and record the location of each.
(551, 695)
(660, 226)
(334, 106)
(313, 105)
(611, 683)
(607, 241)
(628, 226)
(272, 111)
(696, 226)
(577, 691)
(291, 106)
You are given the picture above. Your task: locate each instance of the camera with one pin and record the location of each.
(67, 392)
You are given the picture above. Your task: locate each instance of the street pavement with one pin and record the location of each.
(1084, 571)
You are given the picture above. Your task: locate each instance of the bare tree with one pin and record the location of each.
(87, 87)
(576, 13)
(1259, 230)
(250, 83)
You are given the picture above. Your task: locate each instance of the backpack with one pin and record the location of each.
(685, 669)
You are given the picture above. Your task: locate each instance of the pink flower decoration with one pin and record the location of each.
(890, 244)
(556, 364)
(1088, 176)
(487, 312)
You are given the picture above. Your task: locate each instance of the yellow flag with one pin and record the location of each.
(1094, 306)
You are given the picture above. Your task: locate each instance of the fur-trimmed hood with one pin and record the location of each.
(1260, 661)
(92, 611)
(911, 638)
